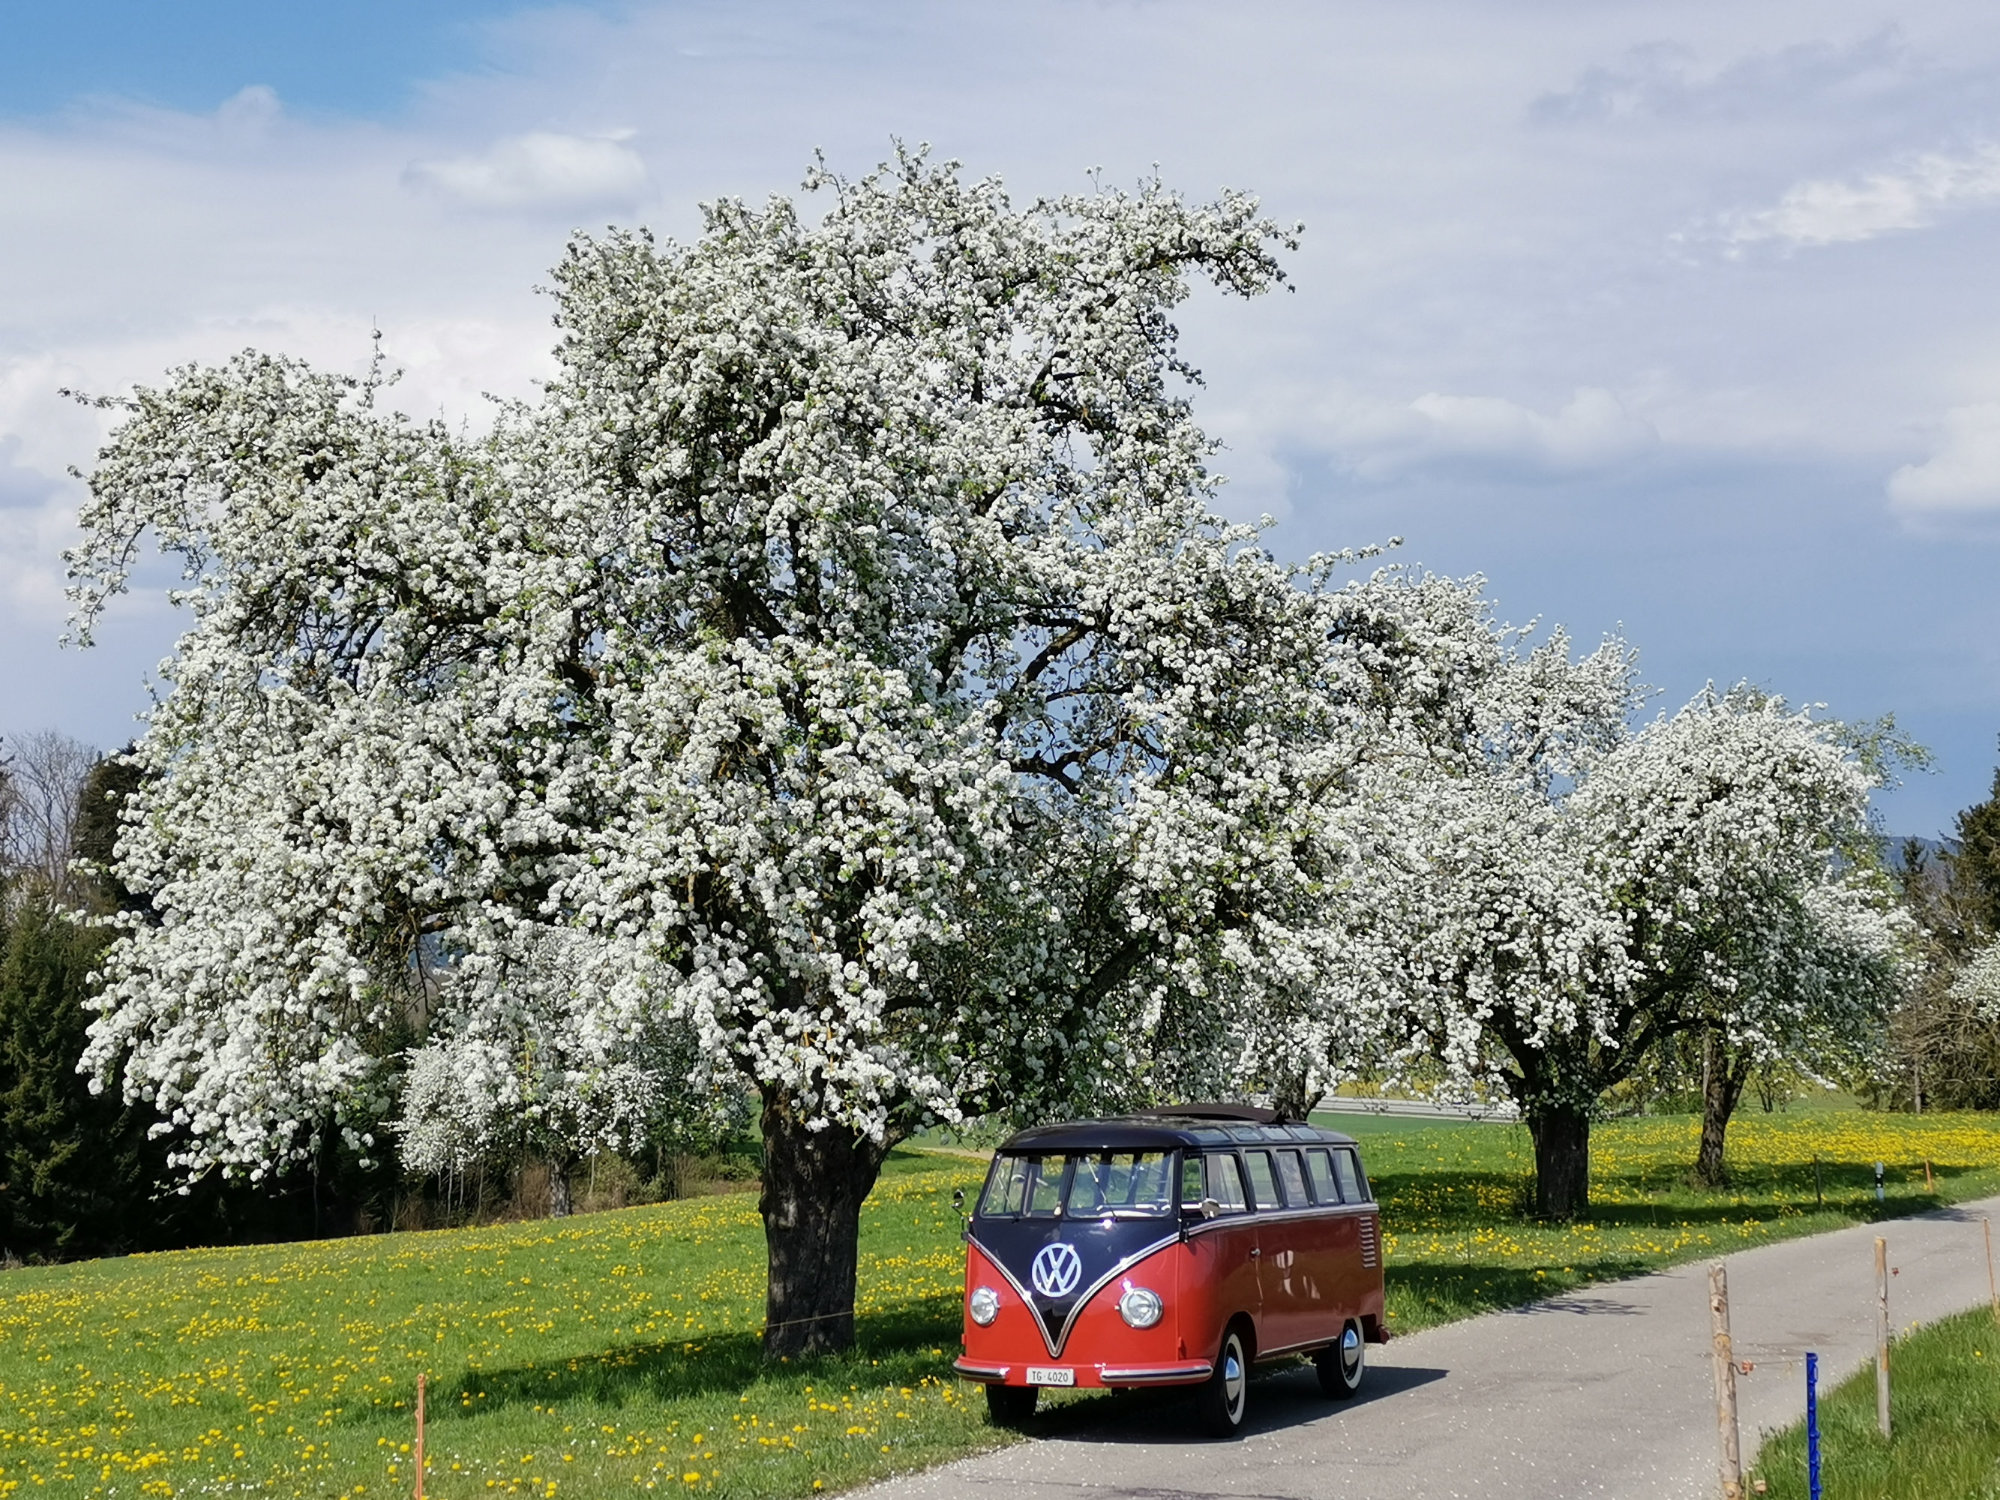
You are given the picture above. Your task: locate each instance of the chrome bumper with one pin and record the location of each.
(1188, 1372)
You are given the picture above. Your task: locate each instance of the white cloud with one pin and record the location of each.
(38, 502)
(1593, 432)
(539, 170)
(1963, 474)
(36, 522)
(1827, 211)
(1666, 80)
(250, 111)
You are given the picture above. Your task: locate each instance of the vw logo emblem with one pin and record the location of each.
(1057, 1270)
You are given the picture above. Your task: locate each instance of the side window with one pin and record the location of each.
(1293, 1176)
(1263, 1185)
(1225, 1184)
(1194, 1181)
(1352, 1188)
(1319, 1166)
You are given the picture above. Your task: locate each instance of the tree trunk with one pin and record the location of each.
(1722, 1082)
(1289, 1096)
(1562, 1160)
(814, 1181)
(558, 1189)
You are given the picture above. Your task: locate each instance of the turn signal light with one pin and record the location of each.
(1140, 1307)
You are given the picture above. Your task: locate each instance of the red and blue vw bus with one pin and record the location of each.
(1173, 1247)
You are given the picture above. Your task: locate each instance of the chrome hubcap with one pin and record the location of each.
(1350, 1353)
(1232, 1376)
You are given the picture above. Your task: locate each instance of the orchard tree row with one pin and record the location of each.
(842, 685)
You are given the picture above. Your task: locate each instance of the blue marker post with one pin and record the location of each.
(1812, 1424)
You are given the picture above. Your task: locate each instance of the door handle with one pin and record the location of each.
(1255, 1251)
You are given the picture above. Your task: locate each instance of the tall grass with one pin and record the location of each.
(1944, 1424)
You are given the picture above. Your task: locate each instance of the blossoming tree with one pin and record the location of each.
(842, 660)
(1773, 931)
(1544, 894)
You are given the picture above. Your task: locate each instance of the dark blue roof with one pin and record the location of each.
(1165, 1132)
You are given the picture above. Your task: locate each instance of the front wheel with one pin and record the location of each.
(1340, 1365)
(1010, 1405)
(1223, 1400)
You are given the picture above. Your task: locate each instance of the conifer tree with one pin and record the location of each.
(1975, 864)
(74, 1175)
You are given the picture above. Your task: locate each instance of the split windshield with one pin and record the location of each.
(1080, 1185)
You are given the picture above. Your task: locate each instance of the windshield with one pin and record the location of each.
(1080, 1184)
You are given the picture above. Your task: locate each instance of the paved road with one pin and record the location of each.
(1607, 1392)
(1421, 1109)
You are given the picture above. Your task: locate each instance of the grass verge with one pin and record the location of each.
(617, 1353)
(1944, 1419)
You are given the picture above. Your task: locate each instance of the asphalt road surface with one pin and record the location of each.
(1606, 1392)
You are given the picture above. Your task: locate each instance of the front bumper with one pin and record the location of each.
(1181, 1372)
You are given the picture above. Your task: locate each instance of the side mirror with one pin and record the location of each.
(958, 1199)
(1210, 1209)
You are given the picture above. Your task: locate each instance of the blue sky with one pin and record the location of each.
(1672, 316)
(358, 57)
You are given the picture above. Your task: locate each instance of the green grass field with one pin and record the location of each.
(614, 1353)
(1944, 1409)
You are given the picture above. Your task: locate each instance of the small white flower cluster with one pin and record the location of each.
(1978, 984)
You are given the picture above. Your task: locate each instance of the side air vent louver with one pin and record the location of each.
(1370, 1251)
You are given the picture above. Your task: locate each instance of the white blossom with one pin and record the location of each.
(1977, 986)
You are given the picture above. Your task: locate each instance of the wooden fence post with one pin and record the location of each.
(1725, 1384)
(1882, 1334)
(419, 1453)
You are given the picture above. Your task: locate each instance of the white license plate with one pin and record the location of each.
(1050, 1375)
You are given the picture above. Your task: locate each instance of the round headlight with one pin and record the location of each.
(983, 1305)
(1140, 1307)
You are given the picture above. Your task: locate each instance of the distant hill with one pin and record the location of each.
(1932, 849)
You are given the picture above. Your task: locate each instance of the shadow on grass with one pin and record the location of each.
(1469, 1200)
(895, 1346)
